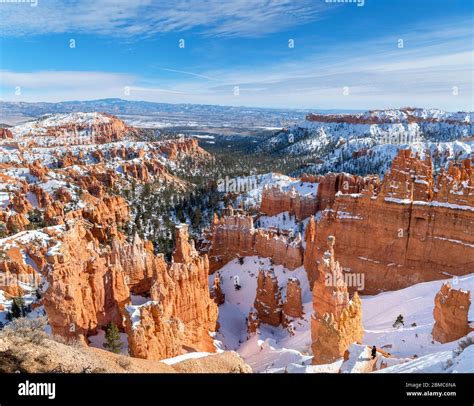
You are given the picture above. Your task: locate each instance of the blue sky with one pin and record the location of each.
(370, 54)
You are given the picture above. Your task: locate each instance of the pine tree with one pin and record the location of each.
(197, 217)
(399, 322)
(112, 339)
(18, 307)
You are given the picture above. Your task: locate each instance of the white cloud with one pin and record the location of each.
(63, 85)
(377, 73)
(148, 17)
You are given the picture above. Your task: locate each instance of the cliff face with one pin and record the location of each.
(293, 306)
(181, 312)
(88, 286)
(418, 231)
(235, 236)
(275, 200)
(451, 314)
(97, 128)
(84, 290)
(337, 320)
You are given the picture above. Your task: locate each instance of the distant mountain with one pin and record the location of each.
(367, 142)
(144, 113)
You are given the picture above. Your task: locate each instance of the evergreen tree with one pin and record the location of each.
(197, 217)
(399, 322)
(112, 339)
(18, 307)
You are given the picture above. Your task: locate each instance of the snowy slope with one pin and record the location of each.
(416, 304)
(41, 126)
(366, 143)
(275, 350)
(253, 185)
(273, 347)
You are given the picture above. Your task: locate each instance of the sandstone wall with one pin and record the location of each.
(275, 201)
(234, 236)
(408, 233)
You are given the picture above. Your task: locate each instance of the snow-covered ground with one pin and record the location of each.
(415, 304)
(42, 125)
(283, 221)
(251, 187)
(274, 349)
(98, 341)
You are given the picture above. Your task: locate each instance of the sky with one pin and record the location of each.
(311, 54)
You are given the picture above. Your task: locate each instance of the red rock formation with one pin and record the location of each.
(181, 313)
(187, 146)
(106, 128)
(216, 293)
(275, 201)
(38, 170)
(337, 321)
(334, 184)
(20, 204)
(138, 262)
(234, 236)
(253, 323)
(85, 291)
(268, 304)
(395, 240)
(451, 314)
(5, 133)
(293, 306)
(16, 223)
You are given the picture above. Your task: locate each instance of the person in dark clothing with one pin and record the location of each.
(374, 352)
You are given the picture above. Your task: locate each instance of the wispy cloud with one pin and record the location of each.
(63, 85)
(244, 18)
(433, 69)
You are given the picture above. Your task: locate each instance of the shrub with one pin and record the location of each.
(30, 329)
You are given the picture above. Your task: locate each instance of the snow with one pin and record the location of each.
(415, 304)
(98, 340)
(275, 350)
(252, 187)
(41, 126)
(134, 311)
(438, 362)
(184, 357)
(4, 200)
(369, 148)
(273, 347)
(283, 221)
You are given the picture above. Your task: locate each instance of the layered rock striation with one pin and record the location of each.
(181, 312)
(337, 319)
(451, 314)
(234, 236)
(415, 229)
